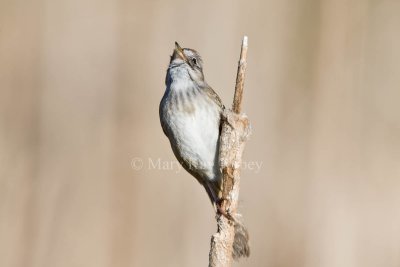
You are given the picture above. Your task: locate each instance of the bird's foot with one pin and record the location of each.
(221, 209)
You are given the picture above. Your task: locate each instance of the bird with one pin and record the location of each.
(190, 115)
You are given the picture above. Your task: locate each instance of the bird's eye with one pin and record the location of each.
(194, 60)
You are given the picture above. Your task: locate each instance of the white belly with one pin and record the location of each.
(194, 135)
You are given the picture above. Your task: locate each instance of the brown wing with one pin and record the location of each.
(214, 96)
(213, 188)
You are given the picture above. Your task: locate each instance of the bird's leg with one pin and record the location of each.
(221, 209)
(219, 203)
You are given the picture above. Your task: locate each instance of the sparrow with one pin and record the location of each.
(190, 115)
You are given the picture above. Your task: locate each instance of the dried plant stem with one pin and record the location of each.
(234, 133)
(237, 100)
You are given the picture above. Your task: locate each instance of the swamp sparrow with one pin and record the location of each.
(190, 115)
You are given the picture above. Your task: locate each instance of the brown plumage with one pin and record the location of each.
(190, 114)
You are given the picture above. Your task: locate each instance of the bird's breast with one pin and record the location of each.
(191, 121)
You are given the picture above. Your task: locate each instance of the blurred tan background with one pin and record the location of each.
(80, 84)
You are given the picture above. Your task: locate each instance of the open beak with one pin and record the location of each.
(179, 52)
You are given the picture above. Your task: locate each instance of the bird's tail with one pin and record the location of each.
(241, 246)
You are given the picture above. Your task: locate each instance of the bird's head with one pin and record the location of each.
(187, 61)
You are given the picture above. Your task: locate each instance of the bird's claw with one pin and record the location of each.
(222, 211)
